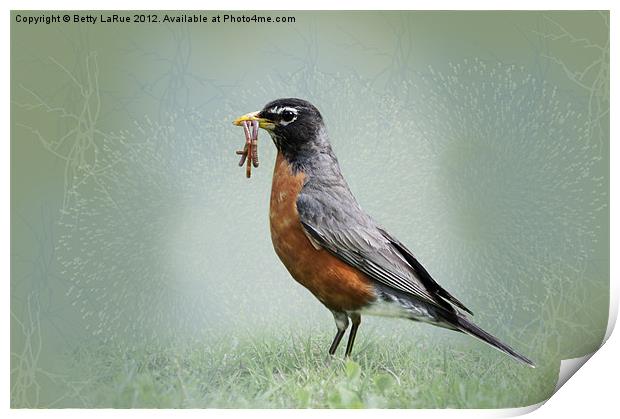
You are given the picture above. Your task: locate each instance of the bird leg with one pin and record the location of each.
(342, 322)
(356, 319)
(249, 154)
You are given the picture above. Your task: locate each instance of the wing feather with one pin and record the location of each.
(351, 235)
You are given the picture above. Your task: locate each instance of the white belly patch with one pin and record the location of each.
(396, 308)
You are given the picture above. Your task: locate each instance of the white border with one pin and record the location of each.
(592, 392)
(310, 5)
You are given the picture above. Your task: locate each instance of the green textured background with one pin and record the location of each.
(481, 139)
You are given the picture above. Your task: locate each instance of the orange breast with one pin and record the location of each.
(337, 285)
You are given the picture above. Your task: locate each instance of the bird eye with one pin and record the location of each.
(288, 116)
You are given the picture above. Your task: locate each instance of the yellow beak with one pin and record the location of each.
(252, 116)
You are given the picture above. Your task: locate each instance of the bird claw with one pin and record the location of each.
(249, 153)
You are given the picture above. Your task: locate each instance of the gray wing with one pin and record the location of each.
(345, 230)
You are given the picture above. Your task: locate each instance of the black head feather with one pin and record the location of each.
(298, 130)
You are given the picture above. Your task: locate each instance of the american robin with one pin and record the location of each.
(333, 247)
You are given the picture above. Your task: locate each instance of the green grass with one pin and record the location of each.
(293, 371)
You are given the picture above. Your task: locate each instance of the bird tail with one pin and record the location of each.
(466, 326)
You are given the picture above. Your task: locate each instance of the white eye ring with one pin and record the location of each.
(286, 113)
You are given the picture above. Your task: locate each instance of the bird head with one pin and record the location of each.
(295, 125)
